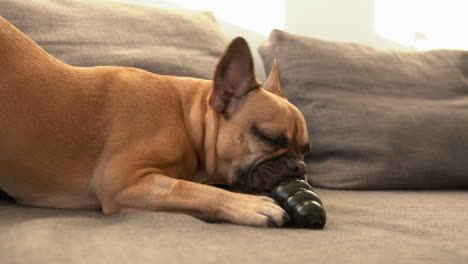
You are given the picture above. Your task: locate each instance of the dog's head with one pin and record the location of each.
(261, 137)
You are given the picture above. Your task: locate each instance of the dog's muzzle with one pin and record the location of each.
(264, 176)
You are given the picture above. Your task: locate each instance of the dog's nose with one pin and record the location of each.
(296, 166)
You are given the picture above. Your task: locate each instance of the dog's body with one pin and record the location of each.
(123, 139)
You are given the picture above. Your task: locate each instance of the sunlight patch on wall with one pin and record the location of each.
(257, 15)
(423, 24)
(260, 16)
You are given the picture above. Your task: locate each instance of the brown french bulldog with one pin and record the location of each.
(122, 139)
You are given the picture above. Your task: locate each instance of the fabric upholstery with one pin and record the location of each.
(105, 32)
(378, 119)
(362, 227)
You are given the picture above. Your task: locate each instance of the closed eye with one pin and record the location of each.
(265, 138)
(280, 141)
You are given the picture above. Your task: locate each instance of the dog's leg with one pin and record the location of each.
(161, 193)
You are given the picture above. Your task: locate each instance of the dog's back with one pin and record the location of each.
(57, 121)
(39, 122)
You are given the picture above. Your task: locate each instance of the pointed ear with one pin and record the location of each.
(234, 76)
(273, 82)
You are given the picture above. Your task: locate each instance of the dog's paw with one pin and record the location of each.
(252, 210)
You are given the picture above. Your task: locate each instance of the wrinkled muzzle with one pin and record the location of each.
(264, 176)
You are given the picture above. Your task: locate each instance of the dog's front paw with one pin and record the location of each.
(245, 209)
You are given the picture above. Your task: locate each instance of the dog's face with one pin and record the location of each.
(262, 138)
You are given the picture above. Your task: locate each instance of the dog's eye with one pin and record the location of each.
(267, 139)
(280, 141)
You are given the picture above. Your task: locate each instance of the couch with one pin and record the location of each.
(387, 129)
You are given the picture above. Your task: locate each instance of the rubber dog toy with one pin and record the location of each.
(298, 199)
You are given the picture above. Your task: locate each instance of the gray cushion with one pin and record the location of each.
(378, 119)
(100, 32)
(362, 227)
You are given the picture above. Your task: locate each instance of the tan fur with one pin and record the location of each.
(123, 139)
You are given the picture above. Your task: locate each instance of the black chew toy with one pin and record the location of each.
(298, 199)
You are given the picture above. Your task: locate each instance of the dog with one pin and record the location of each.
(121, 139)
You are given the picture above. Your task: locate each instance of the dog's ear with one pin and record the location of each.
(273, 82)
(234, 76)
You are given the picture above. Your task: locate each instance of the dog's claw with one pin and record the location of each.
(286, 218)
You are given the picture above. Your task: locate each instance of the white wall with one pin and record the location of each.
(399, 23)
(340, 20)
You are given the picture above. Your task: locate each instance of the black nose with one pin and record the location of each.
(296, 166)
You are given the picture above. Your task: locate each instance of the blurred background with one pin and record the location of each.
(394, 24)
(402, 24)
